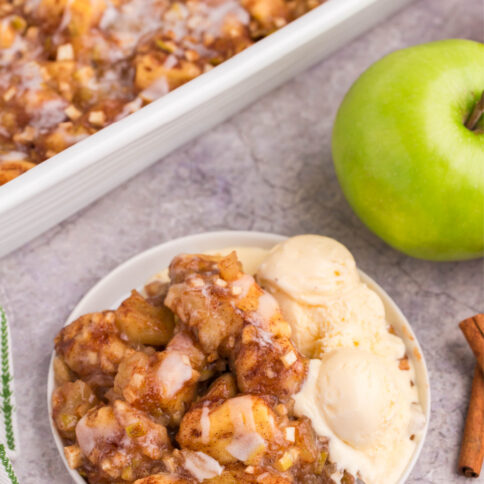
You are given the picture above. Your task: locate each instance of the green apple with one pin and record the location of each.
(406, 161)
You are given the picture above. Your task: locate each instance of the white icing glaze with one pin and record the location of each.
(266, 310)
(173, 372)
(12, 156)
(267, 307)
(66, 18)
(262, 477)
(128, 23)
(30, 76)
(150, 440)
(246, 440)
(201, 466)
(88, 437)
(244, 283)
(156, 89)
(50, 114)
(205, 424)
(171, 61)
(264, 338)
(69, 136)
(109, 16)
(130, 108)
(245, 445)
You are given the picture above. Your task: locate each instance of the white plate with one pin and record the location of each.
(59, 187)
(135, 272)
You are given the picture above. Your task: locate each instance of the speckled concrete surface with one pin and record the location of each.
(268, 168)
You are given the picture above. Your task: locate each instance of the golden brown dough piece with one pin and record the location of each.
(164, 478)
(237, 473)
(62, 373)
(198, 296)
(186, 466)
(12, 169)
(267, 364)
(230, 315)
(185, 265)
(242, 428)
(92, 348)
(222, 388)
(164, 383)
(233, 474)
(70, 402)
(247, 430)
(143, 322)
(121, 443)
(270, 14)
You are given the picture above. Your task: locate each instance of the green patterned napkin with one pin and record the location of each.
(7, 474)
(8, 427)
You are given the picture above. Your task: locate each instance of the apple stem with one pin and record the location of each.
(476, 114)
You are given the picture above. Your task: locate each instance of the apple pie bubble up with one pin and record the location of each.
(68, 68)
(202, 378)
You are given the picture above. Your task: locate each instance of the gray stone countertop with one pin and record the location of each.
(268, 168)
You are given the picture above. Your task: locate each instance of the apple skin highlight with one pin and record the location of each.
(406, 162)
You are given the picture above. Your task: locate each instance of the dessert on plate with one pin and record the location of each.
(212, 374)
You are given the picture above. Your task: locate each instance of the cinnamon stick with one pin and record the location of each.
(472, 447)
(473, 329)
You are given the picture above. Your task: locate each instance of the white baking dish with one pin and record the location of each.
(59, 187)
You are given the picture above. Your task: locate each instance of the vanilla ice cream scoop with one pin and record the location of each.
(310, 268)
(317, 286)
(359, 395)
(368, 410)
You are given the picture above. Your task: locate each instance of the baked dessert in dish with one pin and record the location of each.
(68, 68)
(197, 379)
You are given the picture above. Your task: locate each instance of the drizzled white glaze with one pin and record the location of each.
(245, 445)
(126, 25)
(69, 136)
(29, 74)
(51, 114)
(267, 306)
(266, 310)
(264, 338)
(12, 156)
(174, 371)
(109, 16)
(171, 61)
(66, 19)
(156, 89)
(246, 440)
(243, 285)
(88, 437)
(130, 108)
(150, 440)
(201, 466)
(205, 424)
